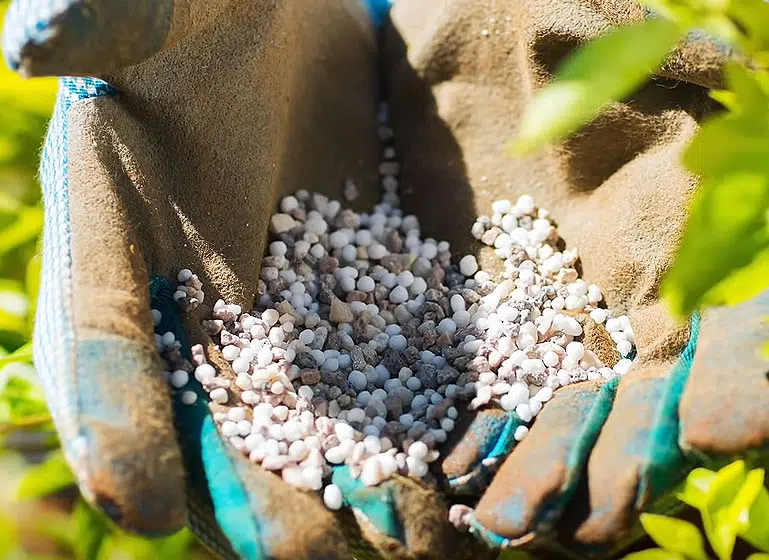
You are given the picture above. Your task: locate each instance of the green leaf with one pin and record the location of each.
(26, 228)
(13, 307)
(727, 143)
(726, 98)
(758, 556)
(607, 69)
(725, 486)
(726, 232)
(696, 487)
(9, 539)
(175, 546)
(742, 284)
(56, 527)
(721, 525)
(721, 529)
(21, 402)
(735, 133)
(721, 26)
(716, 17)
(728, 220)
(45, 479)
(124, 546)
(681, 12)
(654, 554)
(675, 535)
(178, 545)
(98, 539)
(22, 405)
(91, 531)
(756, 530)
(33, 272)
(29, 96)
(752, 17)
(746, 496)
(22, 355)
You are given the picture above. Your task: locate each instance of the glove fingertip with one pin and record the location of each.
(126, 455)
(66, 37)
(550, 459)
(375, 503)
(478, 442)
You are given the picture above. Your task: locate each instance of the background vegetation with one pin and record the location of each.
(43, 517)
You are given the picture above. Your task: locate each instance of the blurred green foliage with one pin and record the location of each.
(724, 256)
(733, 504)
(610, 67)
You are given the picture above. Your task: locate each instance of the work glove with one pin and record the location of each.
(460, 74)
(185, 123)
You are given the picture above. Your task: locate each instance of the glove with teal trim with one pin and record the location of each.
(196, 116)
(459, 77)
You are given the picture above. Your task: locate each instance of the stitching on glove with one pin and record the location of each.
(479, 476)
(496, 541)
(599, 411)
(506, 442)
(54, 346)
(475, 480)
(665, 461)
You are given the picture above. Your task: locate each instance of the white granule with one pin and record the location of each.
(365, 341)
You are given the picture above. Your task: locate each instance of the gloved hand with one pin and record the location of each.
(460, 74)
(199, 115)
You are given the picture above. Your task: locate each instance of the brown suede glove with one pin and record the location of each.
(460, 74)
(201, 114)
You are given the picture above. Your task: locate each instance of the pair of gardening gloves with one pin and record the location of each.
(186, 122)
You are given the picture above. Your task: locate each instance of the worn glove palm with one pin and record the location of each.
(460, 74)
(199, 116)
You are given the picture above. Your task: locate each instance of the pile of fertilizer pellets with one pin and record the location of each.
(366, 342)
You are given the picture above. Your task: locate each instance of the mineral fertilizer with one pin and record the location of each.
(366, 341)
